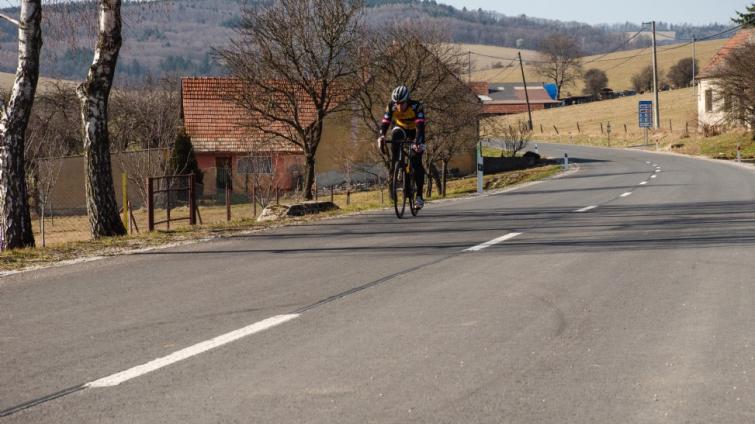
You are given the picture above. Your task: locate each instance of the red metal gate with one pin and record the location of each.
(171, 184)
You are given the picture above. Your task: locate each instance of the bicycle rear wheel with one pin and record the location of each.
(411, 192)
(398, 188)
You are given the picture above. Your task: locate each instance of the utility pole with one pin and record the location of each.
(694, 84)
(469, 63)
(657, 123)
(526, 94)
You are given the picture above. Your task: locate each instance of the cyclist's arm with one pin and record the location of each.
(387, 119)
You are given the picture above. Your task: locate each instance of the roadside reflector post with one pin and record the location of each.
(739, 153)
(566, 161)
(536, 151)
(479, 168)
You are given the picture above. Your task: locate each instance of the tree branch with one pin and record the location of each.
(9, 19)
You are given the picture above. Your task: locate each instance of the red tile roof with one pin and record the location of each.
(217, 123)
(739, 39)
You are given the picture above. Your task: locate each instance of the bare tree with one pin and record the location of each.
(144, 124)
(423, 61)
(560, 60)
(680, 74)
(510, 137)
(15, 217)
(295, 62)
(595, 80)
(735, 81)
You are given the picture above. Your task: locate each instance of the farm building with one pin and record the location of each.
(508, 98)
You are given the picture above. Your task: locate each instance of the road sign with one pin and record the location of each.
(646, 113)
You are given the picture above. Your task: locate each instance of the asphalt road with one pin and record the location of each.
(638, 310)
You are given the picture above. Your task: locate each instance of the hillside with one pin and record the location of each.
(177, 36)
(619, 66)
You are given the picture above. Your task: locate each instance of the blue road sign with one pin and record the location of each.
(646, 113)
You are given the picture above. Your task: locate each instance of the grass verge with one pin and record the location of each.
(18, 259)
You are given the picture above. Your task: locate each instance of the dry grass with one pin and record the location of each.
(616, 65)
(74, 242)
(678, 130)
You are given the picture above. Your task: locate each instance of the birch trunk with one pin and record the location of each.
(94, 93)
(15, 217)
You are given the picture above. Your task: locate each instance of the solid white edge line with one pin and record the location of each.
(492, 242)
(118, 378)
(585, 209)
(626, 194)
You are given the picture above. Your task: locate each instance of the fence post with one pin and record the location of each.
(124, 190)
(331, 194)
(150, 205)
(541, 128)
(625, 128)
(277, 195)
(601, 128)
(579, 131)
(556, 128)
(227, 202)
(254, 199)
(192, 200)
(167, 201)
(348, 197)
(670, 127)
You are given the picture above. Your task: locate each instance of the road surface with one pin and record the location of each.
(623, 292)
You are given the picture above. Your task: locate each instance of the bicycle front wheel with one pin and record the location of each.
(398, 188)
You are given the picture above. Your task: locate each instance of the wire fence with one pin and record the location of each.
(223, 195)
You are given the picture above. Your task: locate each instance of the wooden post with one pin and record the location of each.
(625, 128)
(541, 128)
(601, 128)
(331, 194)
(227, 202)
(277, 195)
(124, 190)
(254, 199)
(167, 201)
(579, 130)
(192, 200)
(555, 128)
(150, 205)
(348, 197)
(670, 127)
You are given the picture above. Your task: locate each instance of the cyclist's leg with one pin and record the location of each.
(419, 172)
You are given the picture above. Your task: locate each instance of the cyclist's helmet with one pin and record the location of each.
(400, 94)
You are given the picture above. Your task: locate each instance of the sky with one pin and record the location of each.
(698, 12)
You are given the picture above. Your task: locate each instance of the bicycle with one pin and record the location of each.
(403, 183)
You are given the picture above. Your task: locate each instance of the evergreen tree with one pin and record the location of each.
(182, 160)
(747, 18)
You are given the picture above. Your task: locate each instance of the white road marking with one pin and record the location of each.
(118, 378)
(492, 242)
(658, 170)
(585, 209)
(653, 176)
(643, 183)
(626, 194)
(647, 162)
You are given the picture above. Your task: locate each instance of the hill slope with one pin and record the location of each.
(619, 66)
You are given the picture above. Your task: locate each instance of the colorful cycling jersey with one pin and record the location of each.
(413, 118)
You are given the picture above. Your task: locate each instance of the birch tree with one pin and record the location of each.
(15, 217)
(94, 94)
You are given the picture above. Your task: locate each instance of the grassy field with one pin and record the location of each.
(619, 66)
(678, 125)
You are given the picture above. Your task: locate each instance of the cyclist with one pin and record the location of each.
(409, 116)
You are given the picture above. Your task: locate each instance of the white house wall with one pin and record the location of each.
(717, 115)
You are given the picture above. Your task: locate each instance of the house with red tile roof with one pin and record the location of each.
(711, 107)
(507, 98)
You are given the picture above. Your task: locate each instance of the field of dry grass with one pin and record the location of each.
(588, 124)
(619, 66)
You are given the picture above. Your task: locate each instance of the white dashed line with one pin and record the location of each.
(653, 176)
(585, 209)
(190, 351)
(658, 170)
(626, 194)
(643, 183)
(492, 242)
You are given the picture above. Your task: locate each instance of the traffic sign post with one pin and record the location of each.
(645, 114)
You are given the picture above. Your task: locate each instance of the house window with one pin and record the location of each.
(709, 100)
(255, 165)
